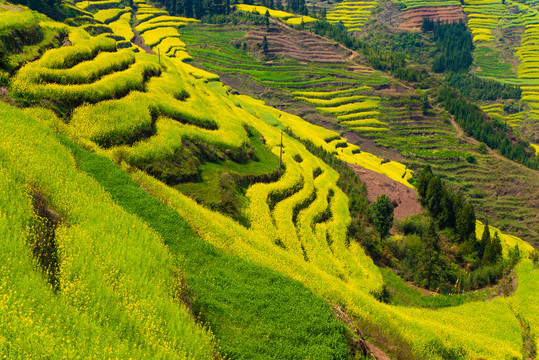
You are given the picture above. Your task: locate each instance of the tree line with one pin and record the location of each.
(51, 8)
(387, 61)
(200, 8)
(454, 44)
(490, 131)
(478, 89)
(440, 249)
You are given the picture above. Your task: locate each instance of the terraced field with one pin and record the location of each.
(367, 115)
(483, 17)
(288, 18)
(352, 14)
(412, 17)
(135, 249)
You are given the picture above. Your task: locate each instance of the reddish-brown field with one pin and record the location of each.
(412, 19)
(402, 196)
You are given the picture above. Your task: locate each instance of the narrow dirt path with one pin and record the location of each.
(360, 345)
(137, 40)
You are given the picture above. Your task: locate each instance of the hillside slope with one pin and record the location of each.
(152, 213)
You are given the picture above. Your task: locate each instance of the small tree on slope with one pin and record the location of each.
(381, 212)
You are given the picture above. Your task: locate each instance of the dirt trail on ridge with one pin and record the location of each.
(137, 40)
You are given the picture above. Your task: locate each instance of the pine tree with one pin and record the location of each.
(265, 45)
(198, 9)
(434, 196)
(431, 265)
(188, 8)
(464, 218)
(381, 212)
(266, 20)
(423, 182)
(493, 251)
(485, 241)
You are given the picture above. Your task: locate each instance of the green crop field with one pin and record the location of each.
(148, 210)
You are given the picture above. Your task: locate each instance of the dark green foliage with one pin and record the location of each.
(265, 45)
(425, 106)
(456, 218)
(534, 256)
(304, 204)
(316, 172)
(482, 148)
(51, 8)
(454, 44)
(479, 89)
(381, 214)
(180, 167)
(196, 8)
(297, 6)
(433, 197)
(493, 133)
(481, 277)
(447, 209)
(402, 294)
(412, 225)
(430, 269)
(471, 159)
(493, 251)
(464, 218)
(277, 196)
(514, 256)
(423, 180)
(42, 238)
(14, 40)
(326, 214)
(254, 312)
(485, 241)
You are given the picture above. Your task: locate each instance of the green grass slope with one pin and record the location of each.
(134, 245)
(254, 312)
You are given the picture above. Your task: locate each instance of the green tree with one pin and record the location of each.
(464, 219)
(188, 8)
(425, 106)
(423, 180)
(485, 241)
(446, 218)
(265, 45)
(266, 19)
(381, 212)
(493, 252)
(434, 196)
(430, 268)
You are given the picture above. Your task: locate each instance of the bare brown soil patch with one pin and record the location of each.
(299, 45)
(402, 196)
(5, 97)
(412, 19)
